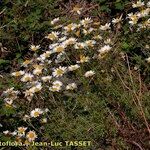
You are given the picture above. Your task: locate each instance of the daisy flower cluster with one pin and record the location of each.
(141, 16)
(10, 95)
(71, 46)
(24, 134)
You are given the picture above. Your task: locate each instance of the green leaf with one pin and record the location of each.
(119, 6)
(7, 111)
(105, 8)
(3, 61)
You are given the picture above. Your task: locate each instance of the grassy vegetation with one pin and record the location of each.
(108, 106)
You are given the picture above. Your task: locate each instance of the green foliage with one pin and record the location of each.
(134, 44)
(8, 111)
(24, 22)
(3, 61)
(112, 6)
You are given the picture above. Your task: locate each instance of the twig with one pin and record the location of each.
(136, 144)
(125, 85)
(116, 123)
(90, 8)
(138, 99)
(2, 11)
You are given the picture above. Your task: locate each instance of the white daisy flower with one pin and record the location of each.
(46, 78)
(90, 43)
(80, 45)
(148, 60)
(70, 27)
(57, 83)
(10, 91)
(44, 120)
(89, 73)
(36, 88)
(51, 46)
(70, 41)
(26, 117)
(27, 77)
(62, 39)
(60, 48)
(133, 18)
(52, 36)
(98, 37)
(13, 133)
(29, 94)
(8, 101)
(46, 110)
(71, 86)
(105, 27)
(55, 88)
(138, 4)
(44, 56)
(6, 132)
(26, 63)
(143, 13)
(104, 49)
(18, 73)
(34, 47)
(108, 41)
(31, 136)
(21, 131)
(73, 67)
(116, 20)
(83, 59)
(59, 71)
(38, 70)
(54, 21)
(86, 21)
(36, 112)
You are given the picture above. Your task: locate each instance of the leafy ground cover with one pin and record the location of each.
(75, 71)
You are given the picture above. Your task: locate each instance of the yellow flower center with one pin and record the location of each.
(54, 88)
(83, 59)
(33, 48)
(31, 135)
(60, 72)
(21, 130)
(17, 74)
(36, 114)
(47, 55)
(59, 49)
(52, 36)
(69, 27)
(78, 33)
(27, 78)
